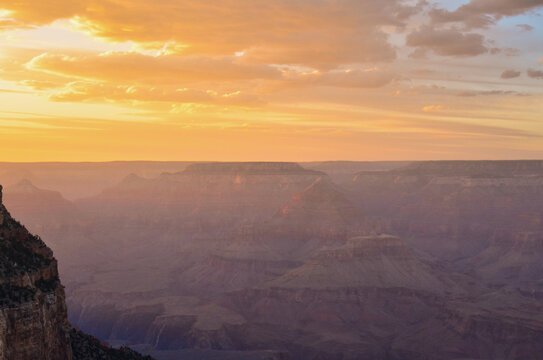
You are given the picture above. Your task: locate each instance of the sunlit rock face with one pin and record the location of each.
(33, 316)
(206, 195)
(320, 208)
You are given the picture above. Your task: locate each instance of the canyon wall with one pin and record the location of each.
(33, 316)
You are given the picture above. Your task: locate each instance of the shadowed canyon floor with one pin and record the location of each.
(296, 261)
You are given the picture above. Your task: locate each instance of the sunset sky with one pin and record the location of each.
(296, 80)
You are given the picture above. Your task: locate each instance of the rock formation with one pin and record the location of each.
(37, 206)
(269, 260)
(369, 261)
(33, 317)
(323, 204)
(452, 209)
(33, 314)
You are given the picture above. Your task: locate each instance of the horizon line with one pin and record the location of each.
(260, 161)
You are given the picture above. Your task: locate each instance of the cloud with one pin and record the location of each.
(349, 78)
(431, 108)
(88, 91)
(426, 91)
(482, 13)
(219, 80)
(29, 13)
(10, 91)
(324, 52)
(371, 78)
(510, 74)
(506, 51)
(41, 84)
(12, 61)
(448, 42)
(319, 33)
(535, 74)
(472, 93)
(525, 27)
(136, 67)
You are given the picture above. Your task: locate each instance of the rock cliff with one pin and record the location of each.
(33, 315)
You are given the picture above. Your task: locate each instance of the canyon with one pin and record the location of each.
(324, 260)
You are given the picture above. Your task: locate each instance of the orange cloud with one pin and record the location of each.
(350, 78)
(31, 13)
(322, 33)
(139, 68)
(88, 91)
(175, 78)
(430, 108)
(12, 68)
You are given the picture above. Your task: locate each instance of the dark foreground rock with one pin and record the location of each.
(33, 315)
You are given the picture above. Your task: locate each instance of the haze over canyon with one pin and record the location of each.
(323, 260)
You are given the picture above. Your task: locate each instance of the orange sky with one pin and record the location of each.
(293, 80)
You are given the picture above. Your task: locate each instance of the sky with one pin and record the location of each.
(273, 80)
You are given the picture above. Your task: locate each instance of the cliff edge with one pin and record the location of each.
(33, 315)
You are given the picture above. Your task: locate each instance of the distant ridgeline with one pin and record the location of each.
(248, 168)
(33, 316)
(485, 168)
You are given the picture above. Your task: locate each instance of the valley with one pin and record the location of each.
(297, 261)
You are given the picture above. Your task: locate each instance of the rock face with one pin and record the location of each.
(452, 209)
(85, 347)
(321, 203)
(373, 299)
(27, 201)
(33, 316)
(209, 198)
(512, 259)
(323, 211)
(367, 261)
